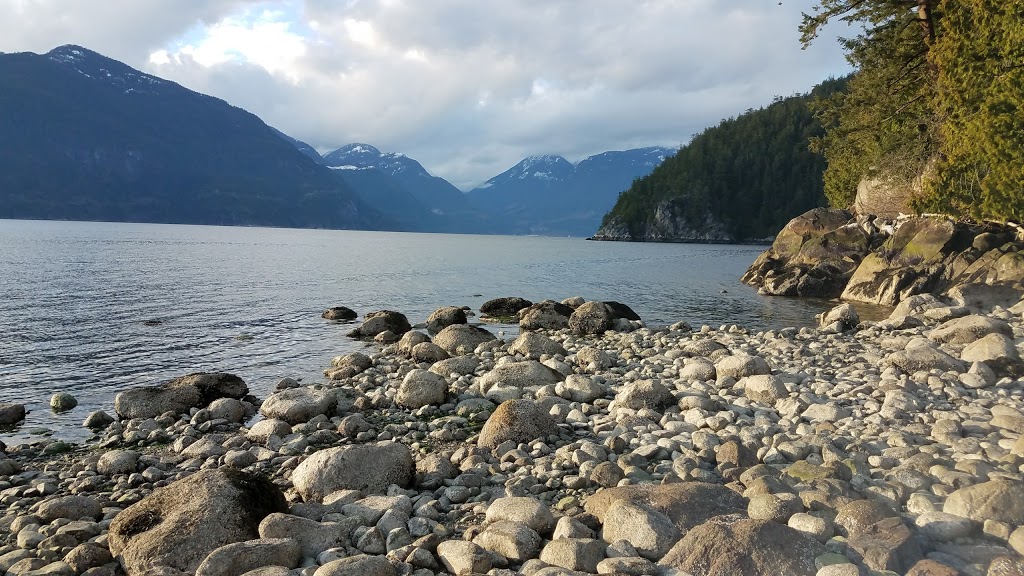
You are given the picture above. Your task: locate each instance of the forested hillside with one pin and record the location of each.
(938, 95)
(744, 178)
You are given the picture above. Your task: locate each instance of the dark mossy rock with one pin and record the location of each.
(339, 313)
(507, 306)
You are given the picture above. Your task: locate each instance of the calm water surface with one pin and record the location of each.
(75, 296)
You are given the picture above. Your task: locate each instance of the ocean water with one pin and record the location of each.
(95, 308)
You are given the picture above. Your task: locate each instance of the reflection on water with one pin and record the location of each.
(94, 308)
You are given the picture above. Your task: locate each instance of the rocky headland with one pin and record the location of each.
(589, 444)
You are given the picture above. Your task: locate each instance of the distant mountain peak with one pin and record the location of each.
(103, 69)
(358, 148)
(363, 156)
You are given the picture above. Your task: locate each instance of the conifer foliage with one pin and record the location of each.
(938, 93)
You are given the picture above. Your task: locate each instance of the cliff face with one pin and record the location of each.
(667, 225)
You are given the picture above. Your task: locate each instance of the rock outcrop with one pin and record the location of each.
(667, 224)
(830, 254)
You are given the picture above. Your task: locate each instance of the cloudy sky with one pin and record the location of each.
(467, 87)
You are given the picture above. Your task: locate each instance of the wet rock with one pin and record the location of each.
(375, 323)
(98, 420)
(62, 402)
(459, 339)
(369, 468)
(546, 315)
(504, 307)
(339, 313)
(180, 524)
(728, 546)
(591, 318)
(179, 395)
(516, 420)
(443, 317)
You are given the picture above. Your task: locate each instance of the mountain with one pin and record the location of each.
(550, 195)
(437, 194)
(741, 180)
(88, 138)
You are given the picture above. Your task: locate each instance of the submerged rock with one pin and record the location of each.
(339, 313)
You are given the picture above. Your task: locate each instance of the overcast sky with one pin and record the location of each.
(467, 87)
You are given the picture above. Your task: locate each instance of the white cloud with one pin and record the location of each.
(466, 87)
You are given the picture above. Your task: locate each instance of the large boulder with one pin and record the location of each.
(534, 345)
(919, 355)
(968, 329)
(908, 263)
(519, 375)
(11, 414)
(592, 318)
(459, 339)
(421, 388)
(504, 307)
(685, 504)
(297, 405)
(179, 395)
(997, 500)
(375, 323)
(178, 525)
(644, 394)
(814, 255)
(649, 531)
(339, 313)
(998, 352)
(369, 468)
(546, 315)
(732, 545)
(443, 317)
(521, 421)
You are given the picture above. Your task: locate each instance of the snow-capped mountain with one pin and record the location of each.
(99, 68)
(438, 195)
(550, 195)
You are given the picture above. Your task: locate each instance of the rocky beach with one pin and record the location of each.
(590, 444)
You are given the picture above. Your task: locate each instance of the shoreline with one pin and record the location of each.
(875, 446)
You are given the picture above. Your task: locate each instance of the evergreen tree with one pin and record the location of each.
(979, 55)
(883, 124)
(938, 93)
